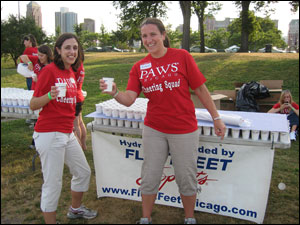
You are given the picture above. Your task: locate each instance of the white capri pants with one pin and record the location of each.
(55, 149)
(183, 149)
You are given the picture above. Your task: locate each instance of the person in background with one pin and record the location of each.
(31, 50)
(286, 105)
(53, 135)
(165, 76)
(36, 64)
(79, 126)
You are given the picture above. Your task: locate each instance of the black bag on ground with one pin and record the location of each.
(245, 100)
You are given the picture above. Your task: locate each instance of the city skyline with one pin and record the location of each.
(104, 13)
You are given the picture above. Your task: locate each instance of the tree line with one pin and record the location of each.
(247, 31)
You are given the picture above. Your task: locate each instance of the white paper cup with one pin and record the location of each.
(200, 130)
(226, 132)
(235, 133)
(99, 121)
(113, 122)
(137, 115)
(15, 102)
(255, 135)
(109, 81)
(206, 131)
(246, 134)
(62, 87)
(99, 108)
(115, 113)
(120, 123)
(129, 114)
(127, 123)
(135, 124)
(275, 135)
(141, 125)
(105, 121)
(107, 111)
(284, 137)
(24, 110)
(264, 135)
(122, 113)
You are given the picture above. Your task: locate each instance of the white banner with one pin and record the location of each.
(234, 179)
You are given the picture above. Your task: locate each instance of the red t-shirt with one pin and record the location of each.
(59, 114)
(31, 51)
(79, 75)
(286, 110)
(165, 82)
(36, 68)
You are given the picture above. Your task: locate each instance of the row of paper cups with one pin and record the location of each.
(15, 97)
(248, 134)
(119, 123)
(19, 110)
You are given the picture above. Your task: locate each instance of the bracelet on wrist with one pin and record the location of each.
(217, 118)
(49, 95)
(116, 94)
(29, 62)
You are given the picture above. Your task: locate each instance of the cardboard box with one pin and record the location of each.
(216, 98)
(227, 103)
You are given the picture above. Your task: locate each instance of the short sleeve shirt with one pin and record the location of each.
(165, 82)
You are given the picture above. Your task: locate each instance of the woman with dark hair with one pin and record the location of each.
(30, 44)
(36, 63)
(170, 126)
(53, 135)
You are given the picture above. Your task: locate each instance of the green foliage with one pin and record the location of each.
(12, 32)
(263, 32)
(134, 12)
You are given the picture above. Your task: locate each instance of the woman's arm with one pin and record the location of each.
(295, 110)
(26, 60)
(273, 110)
(39, 102)
(205, 98)
(126, 98)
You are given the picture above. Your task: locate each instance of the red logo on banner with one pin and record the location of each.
(202, 178)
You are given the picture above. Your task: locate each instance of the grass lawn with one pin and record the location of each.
(21, 187)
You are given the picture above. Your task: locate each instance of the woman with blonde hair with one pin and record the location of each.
(286, 105)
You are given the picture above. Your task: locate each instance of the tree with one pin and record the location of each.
(217, 39)
(104, 37)
(12, 33)
(186, 12)
(263, 31)
(247, 24)
(134, 12)
(294, 5)
(199, 8)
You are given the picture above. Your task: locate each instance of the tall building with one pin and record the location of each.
(65, 20)
(212, 24)
(293, 35)
(89, 25)
(34, 11)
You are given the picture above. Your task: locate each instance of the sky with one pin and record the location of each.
(103, 12)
